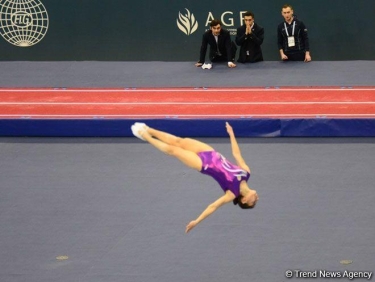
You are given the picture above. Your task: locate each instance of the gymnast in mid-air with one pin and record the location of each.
(202, 157)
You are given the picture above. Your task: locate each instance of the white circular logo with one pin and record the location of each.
(23, 22)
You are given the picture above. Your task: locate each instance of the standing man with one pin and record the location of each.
(250, 36)
(292, 37)
(222, 49)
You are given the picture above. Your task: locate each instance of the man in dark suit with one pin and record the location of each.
(250, 36)
(222, 49)
(292, 38)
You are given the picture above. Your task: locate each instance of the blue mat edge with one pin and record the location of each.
(244, 127)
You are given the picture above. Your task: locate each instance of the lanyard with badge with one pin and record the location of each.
(291, 41)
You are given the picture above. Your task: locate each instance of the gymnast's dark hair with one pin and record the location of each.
(237, 201)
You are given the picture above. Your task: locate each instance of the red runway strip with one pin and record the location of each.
(181, 102)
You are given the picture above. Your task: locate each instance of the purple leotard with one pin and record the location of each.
(228, 175)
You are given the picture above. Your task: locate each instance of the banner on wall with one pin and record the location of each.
(114, 30)
(188, 24)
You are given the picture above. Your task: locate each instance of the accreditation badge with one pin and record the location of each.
(291, 42)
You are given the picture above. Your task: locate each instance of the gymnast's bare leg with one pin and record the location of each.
(189, 144)
(184, 149)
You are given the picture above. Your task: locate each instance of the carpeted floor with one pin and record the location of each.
(117, 208)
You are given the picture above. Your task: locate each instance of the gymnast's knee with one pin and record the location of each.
(170, 150)
(178, 141)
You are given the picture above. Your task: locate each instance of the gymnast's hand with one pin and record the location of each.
(229, 128)
(191, 225)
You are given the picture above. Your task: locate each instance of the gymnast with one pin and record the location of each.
(202, 157)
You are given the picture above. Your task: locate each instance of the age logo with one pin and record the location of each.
(23, 23)
(187, 23)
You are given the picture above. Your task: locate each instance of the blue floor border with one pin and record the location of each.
(244, 127)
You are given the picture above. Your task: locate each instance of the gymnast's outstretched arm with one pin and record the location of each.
(236, 149)
(228, 197)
